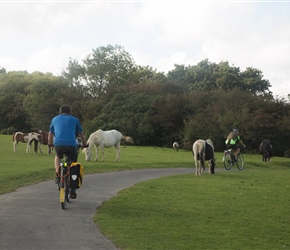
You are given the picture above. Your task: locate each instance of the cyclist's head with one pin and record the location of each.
(235, 130)
(65, 109)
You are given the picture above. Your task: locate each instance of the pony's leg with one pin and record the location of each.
(117, 147)
(14, 146)
(209, 166)
(96, 148)
(39, 147)
(196, 167)
(201, 168)
(103, 153)
(35, 146)
(28, 148)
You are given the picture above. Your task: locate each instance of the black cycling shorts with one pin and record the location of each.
(70, 151)
(232, 146)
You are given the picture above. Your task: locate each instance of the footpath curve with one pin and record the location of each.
(31, 218)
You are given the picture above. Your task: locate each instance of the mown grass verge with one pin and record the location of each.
(245, 209)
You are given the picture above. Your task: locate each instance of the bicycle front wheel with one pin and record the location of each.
(227, 161)
(240, 161)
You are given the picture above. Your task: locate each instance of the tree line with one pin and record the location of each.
(108, 90)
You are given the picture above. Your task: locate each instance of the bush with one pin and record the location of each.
(287, 153)
(7, 131)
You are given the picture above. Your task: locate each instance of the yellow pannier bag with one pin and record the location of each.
(76, 175)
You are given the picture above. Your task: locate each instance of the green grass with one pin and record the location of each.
(246, 209)
(20, 169)
(233, 209)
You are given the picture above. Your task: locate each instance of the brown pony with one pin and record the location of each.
(26, 138)
(37, 143)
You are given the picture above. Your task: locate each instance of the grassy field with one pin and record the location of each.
(19, 169)
(246, 209)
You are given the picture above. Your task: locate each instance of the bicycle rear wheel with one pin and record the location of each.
(62, 197)
(64, 190)
(240, 161)
(227, 161)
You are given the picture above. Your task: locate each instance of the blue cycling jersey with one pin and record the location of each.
(65, 128)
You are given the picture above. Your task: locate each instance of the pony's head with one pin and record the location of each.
(127, 139)
(88, 153)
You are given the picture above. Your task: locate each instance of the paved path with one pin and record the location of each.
(31, 217)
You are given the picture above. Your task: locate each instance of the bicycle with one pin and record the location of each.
(64, 182)
(64, 187)
(230, 160)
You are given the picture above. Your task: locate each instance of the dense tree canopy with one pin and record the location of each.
(108, 90)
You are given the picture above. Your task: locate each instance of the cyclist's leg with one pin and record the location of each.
(57, 158)
(238, 150)
(72, 154)
(235, 152)
(233, 148)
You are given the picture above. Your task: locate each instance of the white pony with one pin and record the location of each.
(105, 139)
(203, 151)
(175, 146)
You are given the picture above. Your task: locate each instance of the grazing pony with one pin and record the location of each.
(105, 139)
(265, 149)
(203, 151)
(37, 144)
(25, 138)
(175, 146)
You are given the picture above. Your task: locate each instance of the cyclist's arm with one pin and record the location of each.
(83, 139)
(241, 143)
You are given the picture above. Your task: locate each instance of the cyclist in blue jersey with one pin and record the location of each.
(63, 130)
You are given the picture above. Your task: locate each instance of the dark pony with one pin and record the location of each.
(203, 151)
(265, 149)
(44, 141)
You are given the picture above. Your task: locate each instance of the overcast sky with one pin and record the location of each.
(43, 35)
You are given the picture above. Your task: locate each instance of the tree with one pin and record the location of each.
(106, 68)
(207, 76)
(254, 82)
(45, 94)
(12, 94)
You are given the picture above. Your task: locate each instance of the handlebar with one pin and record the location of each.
(85, 146)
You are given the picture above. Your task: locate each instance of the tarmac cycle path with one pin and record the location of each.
(31, 218)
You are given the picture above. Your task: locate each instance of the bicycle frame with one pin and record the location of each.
(64, 183)
(230, 160)
(64, 170)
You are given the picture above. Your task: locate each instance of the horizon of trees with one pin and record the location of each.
(108, 90)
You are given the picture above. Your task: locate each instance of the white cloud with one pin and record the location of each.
(42, 36)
